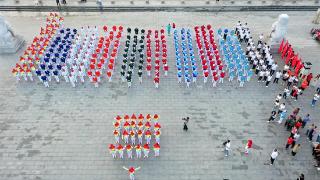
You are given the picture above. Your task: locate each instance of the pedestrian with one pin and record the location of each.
(227, 147)
(169, 29)
(311, 133)
(289, 142)
(285, 93)
(282, 107)
(146, 150)
(64, 2)
(248, 147)
(315, 99)
(120, 149)
(273, 156)
(138, 151)
(296, 137)
(301, 177)
(305, 120)
(58, 3)
(156, 148)
(186, 120)
(295, 149)
(282, 116)
(268, 80)
(295, 112)
(273, 116)
(112, 150)
(129, 151)
(131, 171)
(277, 77)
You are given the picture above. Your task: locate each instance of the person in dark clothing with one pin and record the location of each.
(58, 3)
(186, 120)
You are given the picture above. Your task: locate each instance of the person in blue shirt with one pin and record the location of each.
(243, 78)
(44, 80)
(56, 75)
(179, 75)
(194, 76)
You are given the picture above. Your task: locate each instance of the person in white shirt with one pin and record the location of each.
(227, 148)
(282, 107)
(268, 80)
(273, 68)
(274, 155)
(261, 74)
(277, 77)
(315, 99)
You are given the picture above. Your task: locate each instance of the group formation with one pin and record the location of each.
(295, 72)
(209, 55)
(34, 57)
(234, 57)
(160, 54)
(188, 62)
(259, 56)
(138, 133)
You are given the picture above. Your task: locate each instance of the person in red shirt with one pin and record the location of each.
(289, 142)
(298, 124)
(222, 75)
(166, 69)
(205, 74)
(156, 82)
(149, 69)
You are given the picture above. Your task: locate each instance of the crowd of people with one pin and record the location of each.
(132, 132)
(234, 57)
(188, 62)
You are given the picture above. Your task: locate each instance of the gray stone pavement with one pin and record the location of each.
(63, 133)
(164, 2)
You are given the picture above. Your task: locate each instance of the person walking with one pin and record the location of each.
(305, 120)
(273, 116)
(295, 149)
(58, 3)
(227, 148)
(273, 156)
(311, 133)
(289, 142)
(315, 99)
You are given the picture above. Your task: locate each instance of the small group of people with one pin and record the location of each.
(127, 130)
(227, 147)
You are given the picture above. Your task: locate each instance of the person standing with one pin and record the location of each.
(138, 151)
(131, 171)
(273, 156)
(282, 116)
(146, 150)
(301, 177)
(248, 147)
(112, 150)
(169, 29)
(295, 149)
(227, 148)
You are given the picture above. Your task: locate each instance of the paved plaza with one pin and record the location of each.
(62, 133)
